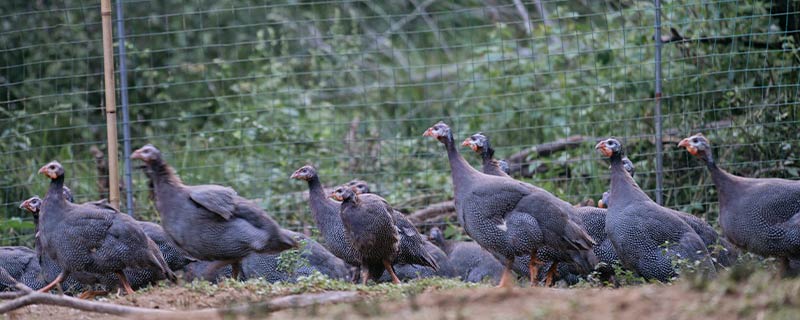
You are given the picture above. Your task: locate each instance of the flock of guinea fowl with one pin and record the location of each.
(522, 228)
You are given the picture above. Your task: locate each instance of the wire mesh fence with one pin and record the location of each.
(241, 93)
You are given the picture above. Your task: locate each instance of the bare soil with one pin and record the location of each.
(762, 298)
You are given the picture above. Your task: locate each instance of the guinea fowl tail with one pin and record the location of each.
(429, 260)
(158, 259)
(578, 238)
(584, 260)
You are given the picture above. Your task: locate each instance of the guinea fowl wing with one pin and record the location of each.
(412, 245)
(217, 199)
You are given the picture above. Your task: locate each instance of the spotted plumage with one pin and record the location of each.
(647, 238)
(758, 215)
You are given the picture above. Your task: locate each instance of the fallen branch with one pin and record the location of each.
(432, 211)
(519, 163)
(675, 36)
(281, 303)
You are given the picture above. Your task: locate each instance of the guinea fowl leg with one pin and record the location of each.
(505, 279)
(390, 269)
(125, 283)
(551, 273)
(91, 294)
(236, 270)
(55, 282)
(364, 275)
(533, 268)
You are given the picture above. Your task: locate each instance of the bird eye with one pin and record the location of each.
(694, 140)
(52, 167)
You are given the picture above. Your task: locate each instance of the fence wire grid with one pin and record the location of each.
(242, 93)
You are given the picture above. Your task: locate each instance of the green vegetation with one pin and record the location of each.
(244, 92)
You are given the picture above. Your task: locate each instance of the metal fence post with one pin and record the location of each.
(658, 138)
(123, 90)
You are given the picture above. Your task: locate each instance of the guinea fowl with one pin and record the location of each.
(21, 264)
(582, 264)
(92, 238)
(316, 258)
(646, 236)
(414, 249)
(507, 217)
(369, 225)
(723, 252)
(758, 215)
(469, 261)
(210, 222)
(138, 278)
(327, 218)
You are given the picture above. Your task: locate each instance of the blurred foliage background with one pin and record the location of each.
(242, 93)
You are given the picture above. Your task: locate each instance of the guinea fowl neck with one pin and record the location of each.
(623, 188)
(460, 170)
(322, 207)
(718, 175)
(487, 155)
(53, 201)
(162, 175)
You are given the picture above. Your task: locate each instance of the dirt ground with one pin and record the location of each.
(760, 298)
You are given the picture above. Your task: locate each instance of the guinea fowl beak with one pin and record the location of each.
(24, 204)
(428, 133)
(137, 155)
(685, 144)
(603, 149)
(48, 173)
(294, 175)
(601, 204)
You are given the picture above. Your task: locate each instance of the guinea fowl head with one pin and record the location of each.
(306, 172)
(32, 205)
(440, 131)
(603, 203)
(359, 186)
(344, 193)
(628, 165)
(477, 142)
(53, 170)
(504, 166)
(435, 235)
(609, 148)
(697, 145)
(148, 153)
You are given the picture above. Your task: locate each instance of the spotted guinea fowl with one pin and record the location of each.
(138, 278)
(327, 218)
(21, 264)
(315, 258)
(723, 252)
(469, 261)
(369, 225)
(509, 218)
(646, 237)
(413, 246)
(210, 222)
(581, 263)
(92, 238)
(758, 215)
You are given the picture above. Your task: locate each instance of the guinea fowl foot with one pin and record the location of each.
(91, 294)
(364, 276)
(551, 274)
(506, 279)
(390, 269)
(533, 269)
(125, 283)
(55, 282)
